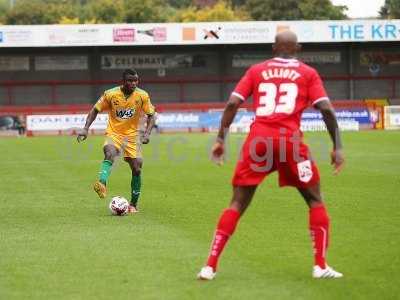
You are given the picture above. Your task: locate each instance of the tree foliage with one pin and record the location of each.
(67, 20)
(33, 12)
(26, 12)
(294, 10)
(142, 11)
(221, 11)
(321, 10)
(3, 11)
(390, 10)
(104, 11)
(145, 11)
(179, 3)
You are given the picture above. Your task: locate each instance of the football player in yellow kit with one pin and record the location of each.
(125, 104)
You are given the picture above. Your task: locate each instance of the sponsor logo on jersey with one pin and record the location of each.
(125, 113)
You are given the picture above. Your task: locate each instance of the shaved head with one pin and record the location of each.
(286, 44)
(286, 36)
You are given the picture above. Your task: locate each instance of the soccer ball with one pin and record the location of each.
(119, 206)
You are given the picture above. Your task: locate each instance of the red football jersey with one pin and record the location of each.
(282, 89)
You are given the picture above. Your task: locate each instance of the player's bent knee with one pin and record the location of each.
(315, 200)
(110, 152)
(110, 155)
(136, 171)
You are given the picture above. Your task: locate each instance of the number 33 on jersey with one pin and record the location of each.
(282, 89)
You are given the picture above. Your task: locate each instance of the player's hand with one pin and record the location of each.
(145, 139)
(217, 153)
(337, 160)
(82, 135)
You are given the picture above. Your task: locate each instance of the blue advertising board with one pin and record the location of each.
(211, 120)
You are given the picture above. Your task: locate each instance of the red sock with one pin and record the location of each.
(225, 228)
(319, 229)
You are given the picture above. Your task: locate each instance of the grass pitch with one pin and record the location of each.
(59, 241)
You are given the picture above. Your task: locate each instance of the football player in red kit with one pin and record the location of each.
(282, 88)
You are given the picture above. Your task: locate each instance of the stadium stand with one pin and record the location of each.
(67, 74)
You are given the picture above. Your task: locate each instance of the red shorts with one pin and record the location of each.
(263, 155)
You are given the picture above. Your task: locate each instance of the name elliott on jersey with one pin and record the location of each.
(280, 73)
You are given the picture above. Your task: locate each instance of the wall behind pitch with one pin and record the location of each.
(386, 56)
(48, 71)
(208, 64)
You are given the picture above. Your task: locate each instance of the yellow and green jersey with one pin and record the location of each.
(124, 112)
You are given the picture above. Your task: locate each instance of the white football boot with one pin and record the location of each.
(328, 272)
(206, 273)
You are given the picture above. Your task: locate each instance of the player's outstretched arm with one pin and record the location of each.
(328, 114)
(231, 108)
(82, 135)
(149, 126)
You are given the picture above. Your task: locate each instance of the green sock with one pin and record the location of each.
(105, 171)
(136, 183)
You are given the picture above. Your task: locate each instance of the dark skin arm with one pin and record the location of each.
(329, 117)
(228, 115)
(82, 135)
(149, 126)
